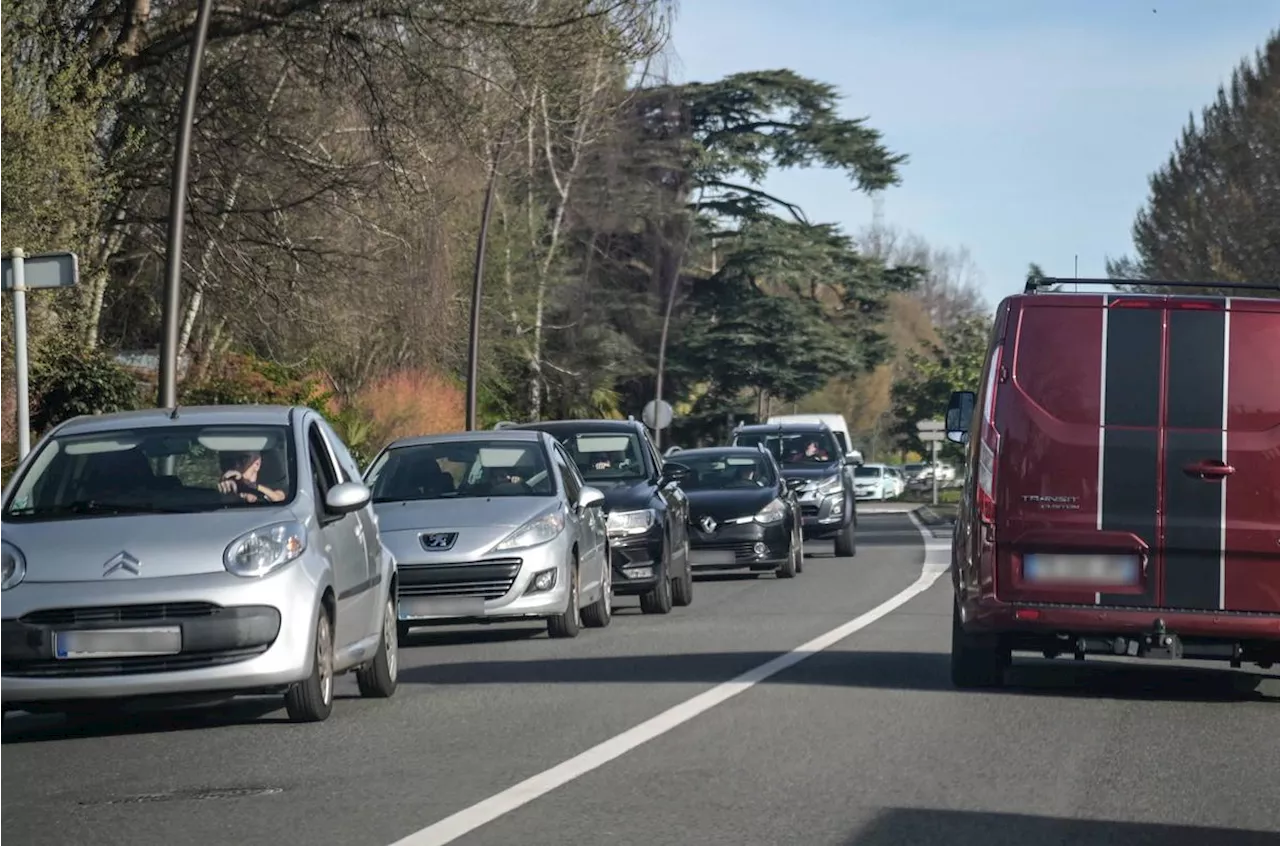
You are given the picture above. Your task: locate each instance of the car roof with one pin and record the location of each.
(571, 426)
(196, 415)
(720, 450)
(783, 427)
(512, 435)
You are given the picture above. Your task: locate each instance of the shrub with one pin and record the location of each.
(74, 382)
(413, 402)
(245, 380)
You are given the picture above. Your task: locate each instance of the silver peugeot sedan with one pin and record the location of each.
(492, 525)
(193, 552)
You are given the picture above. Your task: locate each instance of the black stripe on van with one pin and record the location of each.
(1193, 506)
(1131, 440)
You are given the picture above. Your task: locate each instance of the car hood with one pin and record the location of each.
(475, 525)
(164, 545)
(628, 495)
(723, 505)
(813, 474)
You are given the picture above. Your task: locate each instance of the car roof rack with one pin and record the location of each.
(1034, 286)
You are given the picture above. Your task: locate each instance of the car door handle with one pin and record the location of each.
(1210, 469)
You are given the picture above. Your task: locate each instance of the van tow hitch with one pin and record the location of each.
(1160, 643)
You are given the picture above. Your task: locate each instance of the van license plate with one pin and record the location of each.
(1080, 569)
(118, 643)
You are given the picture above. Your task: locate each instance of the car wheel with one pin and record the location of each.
(599, 614)
(799, 550)
(682, 588)
(788, 569)
(569, 623)
(377, 679)
(659, 600)
(402, 631)
(311, 700)
(976, 661)
(846, 541)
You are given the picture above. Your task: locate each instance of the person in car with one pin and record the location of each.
(240, 476)
(812, 452)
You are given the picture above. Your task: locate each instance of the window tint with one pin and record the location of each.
(323, 473)
(572, 481)
(460, 470)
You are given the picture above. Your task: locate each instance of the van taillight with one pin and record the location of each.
(989, 443)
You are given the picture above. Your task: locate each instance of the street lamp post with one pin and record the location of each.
(172, 304)
(477, 287)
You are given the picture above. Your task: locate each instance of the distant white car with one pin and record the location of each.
(875, 481)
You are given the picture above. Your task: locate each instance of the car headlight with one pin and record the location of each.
(772, 513)
(631, 522)
(15, 565)
(537, 531)
(830, 485)
(265, 550)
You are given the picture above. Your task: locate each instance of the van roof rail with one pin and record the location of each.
(1035, 286)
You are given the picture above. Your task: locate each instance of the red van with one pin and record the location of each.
(1123, 489)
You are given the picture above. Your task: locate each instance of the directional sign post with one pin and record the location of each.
(22, 273)
(932, 432)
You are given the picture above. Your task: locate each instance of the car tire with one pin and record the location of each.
(847, 541)
(599, 614)
(378, 678)
(402, 631)
(682, 588)
(311, 700)
(976, 661)
(788, 570)
(659, 600)
(799, 550)
(569, 623)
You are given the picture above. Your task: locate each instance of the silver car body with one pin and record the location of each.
(445, 548)
(94, 573)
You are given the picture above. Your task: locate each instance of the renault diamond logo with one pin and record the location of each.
(439, 541)
(707, 523)
(121, 561)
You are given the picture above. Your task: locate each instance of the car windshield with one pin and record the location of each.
(156, 470)
(865, 472)
(470, 469)
(606, 456)
(718, 471)
(795, 448)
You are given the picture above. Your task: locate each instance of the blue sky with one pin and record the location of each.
(1031, 125)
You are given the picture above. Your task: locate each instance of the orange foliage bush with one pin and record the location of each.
(413, 402)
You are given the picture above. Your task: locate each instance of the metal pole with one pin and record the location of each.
(172, 306)
(20, 352)
(477, 287)
(933, 455)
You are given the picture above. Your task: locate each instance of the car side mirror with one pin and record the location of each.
(347, 497)
(590, 497)
(853, 458)
(960, 416)
(674, 472)
(796, 484)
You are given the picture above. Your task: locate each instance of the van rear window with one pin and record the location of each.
(1058, 361)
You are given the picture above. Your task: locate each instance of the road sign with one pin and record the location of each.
(657, 415)
(931, 437)
(931, 426)
(46, 270)
(21, 273)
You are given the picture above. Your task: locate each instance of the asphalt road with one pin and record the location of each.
(863, 744)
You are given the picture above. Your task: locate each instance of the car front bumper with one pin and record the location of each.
(636, 562)
(493, 588)
(739, 546)
(238, 635)
(825, 516)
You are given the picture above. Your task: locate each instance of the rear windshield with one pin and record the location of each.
(865, 472)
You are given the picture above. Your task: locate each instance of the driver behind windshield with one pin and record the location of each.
(240, 477)
(813, 451)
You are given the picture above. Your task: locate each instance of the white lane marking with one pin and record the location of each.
(937, 560)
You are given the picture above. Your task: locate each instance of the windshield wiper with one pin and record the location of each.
(88, 507)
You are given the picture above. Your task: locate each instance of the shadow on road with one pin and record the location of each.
(922, 671)
(140, 719)
(920, 827)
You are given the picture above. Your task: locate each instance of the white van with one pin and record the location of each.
(835, 422)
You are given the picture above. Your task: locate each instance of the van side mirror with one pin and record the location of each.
(960, 416)
(853, 458)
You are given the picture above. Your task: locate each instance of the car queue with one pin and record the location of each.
(210, 552)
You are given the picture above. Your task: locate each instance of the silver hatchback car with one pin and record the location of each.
(493, 526)
(200, 551)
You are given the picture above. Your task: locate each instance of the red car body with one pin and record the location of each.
(1120, 433)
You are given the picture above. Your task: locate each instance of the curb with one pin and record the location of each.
(930, 517)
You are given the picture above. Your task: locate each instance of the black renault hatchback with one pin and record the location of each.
(647, 512)
(742, 513)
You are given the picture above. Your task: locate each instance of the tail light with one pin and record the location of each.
(989, 445)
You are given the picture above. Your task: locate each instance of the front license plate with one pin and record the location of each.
(1072, 569)
(118, 643)
(426, 607)
(711, 557)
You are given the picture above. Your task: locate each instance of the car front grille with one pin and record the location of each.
(120, 613)
(88, 667)
(809, 511)
(491, 579)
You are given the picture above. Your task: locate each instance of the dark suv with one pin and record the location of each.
(821, 473)
(647, 511)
